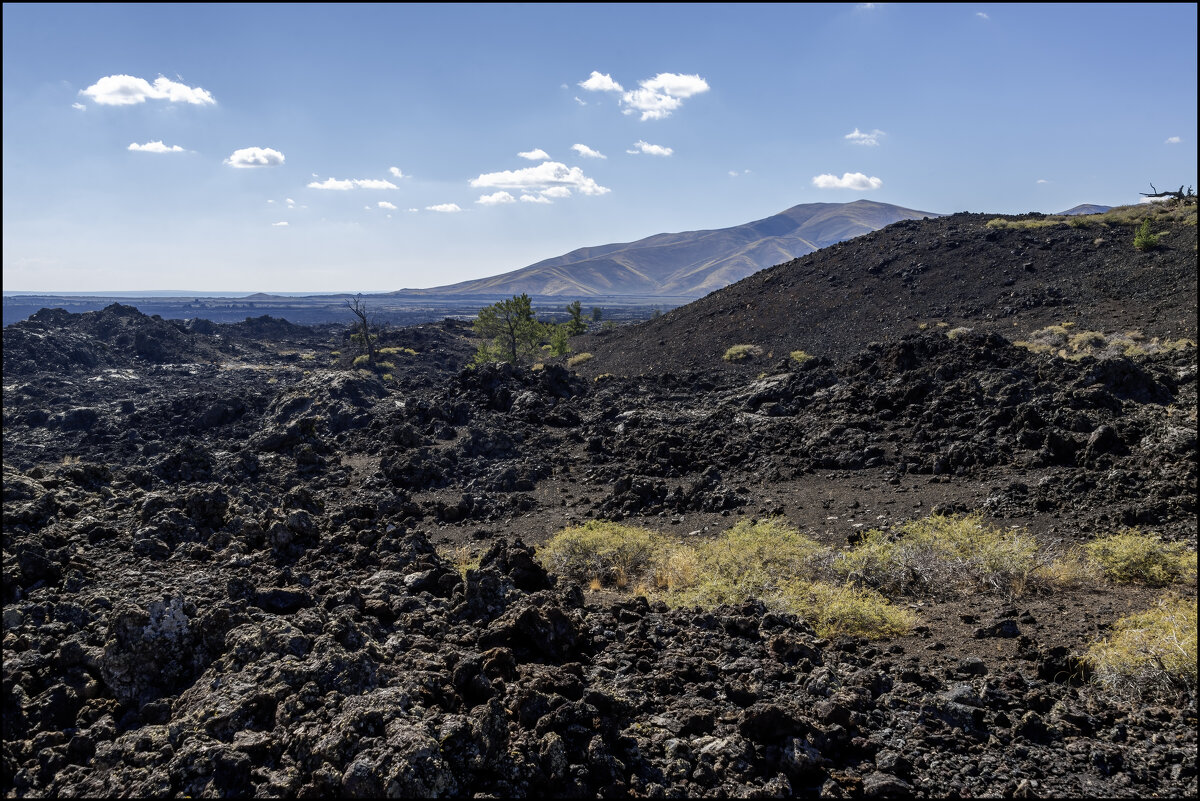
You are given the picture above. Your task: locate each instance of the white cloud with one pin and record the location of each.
(352, 183)
(870, 139)
(291, 203)
(581, 102)
(255, 157)
(1172, 140)
(735, 173)
(656, 98)
(445, 208)
(536, 199)
(374, 183)
(1042, 181)
(543, 176)
(383, 204)
(496, 199)
(156, 147)
(649, 149)
(587, 152)
(395, 171)
(849, 180)
(982, 15)
(332, 183)
(535, 155)
(662, 94)
(279, 224)
(126, 90)
(556, 191)
(79, 107)
(601, 83)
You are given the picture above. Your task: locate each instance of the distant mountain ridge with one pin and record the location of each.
(689, 264)
(1085, 208)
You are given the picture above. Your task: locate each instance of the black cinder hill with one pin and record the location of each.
(1011, 277)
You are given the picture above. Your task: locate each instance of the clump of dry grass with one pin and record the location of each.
(1131, 557)
(1151, 650)
(741, 353)
(1134, 215)
(603, 551)
(944, 554)
(1058, 340)
(578, 359)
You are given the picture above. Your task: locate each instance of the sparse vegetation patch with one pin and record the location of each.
(1132, 557)
(1060, 341)
(1149, 651)
(741, 353)
(578, 359)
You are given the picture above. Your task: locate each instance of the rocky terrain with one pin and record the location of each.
(234, 566)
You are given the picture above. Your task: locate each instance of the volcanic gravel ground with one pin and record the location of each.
(230, 568)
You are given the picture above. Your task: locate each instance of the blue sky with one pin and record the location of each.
(370, 148)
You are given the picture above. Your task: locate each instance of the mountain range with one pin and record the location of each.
(689, 264)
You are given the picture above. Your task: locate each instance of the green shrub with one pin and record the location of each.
(955, 333)
(361, 362)
(800, 357)
(1151, 650)
(510, 332)
(1144, 239)
(559, 339)
(740, 353)
(578, 359)
(393, 351)
(1135, 558)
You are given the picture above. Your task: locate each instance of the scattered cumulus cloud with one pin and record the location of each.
(535, 199)
(655, 98)
(279, 224)
(869, 139)
(81, 107)
(383, 204)
(1042, 181)
(444, 208)
(352, 183)
(650, 150)
(982, 15)
(587, 152)
(542, 177)
(581, 102)
(291, 203)
(496, 199)
(395, 171)
(736, 173)
(849, 180)
(249, 157)
(535, 155)
(374, 183)
(556, 191)
(662, 94)
(156, 147)
(600, 83)
(1172, 140)
(126, 90)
